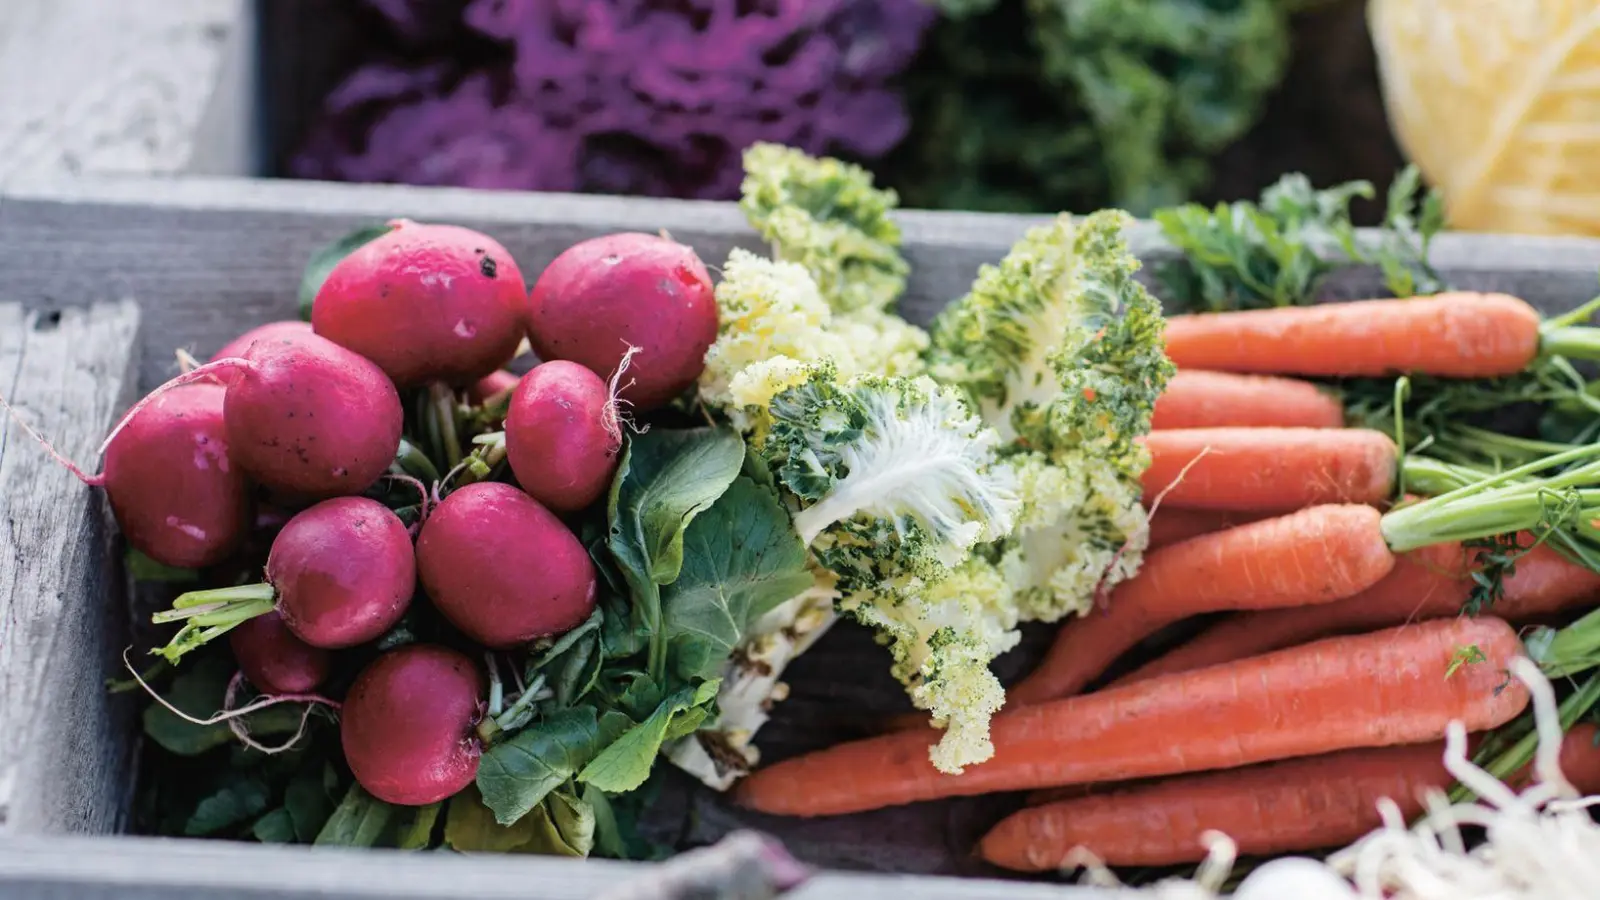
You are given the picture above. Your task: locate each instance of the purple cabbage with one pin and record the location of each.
(645, 97)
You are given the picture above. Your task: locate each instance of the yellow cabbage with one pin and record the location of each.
(1498, 103)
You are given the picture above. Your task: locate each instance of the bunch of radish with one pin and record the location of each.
(319, 420)
(1344, 653)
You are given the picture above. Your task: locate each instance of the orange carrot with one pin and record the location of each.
(1429, 583)
(1372, 690)
(1268, 469)
(1283, 807)
(1169, 526)
(1197, 399)
(1458, 334)
(1316, 555)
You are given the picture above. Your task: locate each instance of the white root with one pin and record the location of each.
(1539, 843)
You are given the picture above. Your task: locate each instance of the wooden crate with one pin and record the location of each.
(87, 264)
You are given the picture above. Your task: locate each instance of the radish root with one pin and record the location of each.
(612, 416)
(69, 465)
(188, 377)
(234, 715)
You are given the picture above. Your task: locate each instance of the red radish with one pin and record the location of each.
(502, 568)
(170, 477)
(426, 303)
(408, 723)
(341, 573)
(173, 487)
(563, 435)
(305, 417)
(604, 295)
(274, 660)
(492, 385)
(289, 330)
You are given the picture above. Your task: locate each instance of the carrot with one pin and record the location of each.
(1457, 334)
(1268, 469)
(1372, 690)
(1283, 807)
(1169, 526)
(1198, 399)
(1429, 583)
(1316, 555)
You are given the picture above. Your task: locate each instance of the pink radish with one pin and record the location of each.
(305, 417)
(169, 476)
(426, 303)
(286, 330)
(340, 573)
(408, 723)
(273, 659)
(491, 385)
(607, 294)
(563, 435)
(502, 568)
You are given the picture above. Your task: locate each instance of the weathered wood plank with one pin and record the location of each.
(215, 256)
(64, 760)
(152, 869)
(108, 85)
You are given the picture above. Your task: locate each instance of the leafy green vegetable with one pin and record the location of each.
(276, 827)
(1276, 253)
(362, 820)
(1045, 105)
(742, 558)
(199, 691)
(242, 799)
(143, 568)
(325, 259)
(626, 763)
(516, 775)
(826, 215)
(309, 803)
(572, 664)
(665, 479)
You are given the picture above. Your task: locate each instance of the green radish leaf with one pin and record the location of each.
(626, 762)
(415, 831)
(199, 692)
(239, 800)
(547, 839)
(574, 822)
(308, 805)
(276, 827)
(323, 261)
(143, 568)
(362, 820)
(665, 479)
(515, 776)
(559, 826)
(572, 664)
(608, 837)
(641, 697)
(470, 827)
(742, 558)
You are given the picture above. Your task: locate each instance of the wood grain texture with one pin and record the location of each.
(216, 256)
(209, 258)
(83, 868)
(108, 85)
(62, 766)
